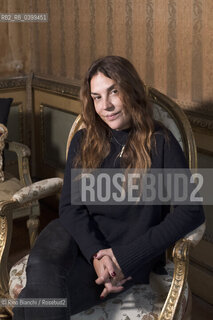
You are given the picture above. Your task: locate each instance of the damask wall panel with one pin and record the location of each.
(149, 31)
(109, 23)
(172, 50)
(70, 39)
(169, 41)
(76, 40)
(56, 38)
(184, 54)
(165, 39)
(52, 40)
(139, 36)
(85, 45)
(101, 29)
(207, 50)
(197, 57)
(160, 47)
(41, 50)
(36, 64)
(92, 29)
(129, 35)
(16, 41)
(119, 28)
(63, 66)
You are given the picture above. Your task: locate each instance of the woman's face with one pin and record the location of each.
(108, 103)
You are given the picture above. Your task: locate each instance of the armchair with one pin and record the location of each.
(10, 184)
(168, 296)
(11, 208)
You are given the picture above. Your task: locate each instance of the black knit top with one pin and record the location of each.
(137, 234)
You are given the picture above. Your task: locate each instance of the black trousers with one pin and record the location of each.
(57, 269)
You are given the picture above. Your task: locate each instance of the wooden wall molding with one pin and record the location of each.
(200, 115)
(13, 83)
(198, 119)
(58, 86)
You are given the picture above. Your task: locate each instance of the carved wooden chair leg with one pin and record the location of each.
(5, 241)
(33, 222)
(32, 225)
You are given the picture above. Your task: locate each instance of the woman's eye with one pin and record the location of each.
(96, 97)
(114, 91)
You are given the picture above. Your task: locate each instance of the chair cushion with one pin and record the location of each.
(9, 187)
(4, 109)
(142, 302)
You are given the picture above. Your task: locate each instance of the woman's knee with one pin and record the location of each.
(54, 245)
(42, 272)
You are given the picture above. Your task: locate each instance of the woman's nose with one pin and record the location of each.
(107, 104)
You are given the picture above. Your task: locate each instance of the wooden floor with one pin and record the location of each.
(20, 246)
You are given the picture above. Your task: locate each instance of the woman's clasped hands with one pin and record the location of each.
(109, 272)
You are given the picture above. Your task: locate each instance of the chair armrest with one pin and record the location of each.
(38, 190)
(181, 262)
(23, 153)
(196, 235)
(19, 148)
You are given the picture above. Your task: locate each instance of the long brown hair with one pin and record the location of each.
(96, 139)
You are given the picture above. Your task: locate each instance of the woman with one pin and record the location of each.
(93, 252)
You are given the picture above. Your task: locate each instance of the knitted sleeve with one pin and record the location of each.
(177, 223)
(75, 218)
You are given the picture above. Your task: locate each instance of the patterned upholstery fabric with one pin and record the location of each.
(163, 116)
(3, 135)
(39, 189)
(17, 277)
(142, 302)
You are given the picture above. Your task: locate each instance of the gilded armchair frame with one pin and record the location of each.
(6, 210)
(23, 153)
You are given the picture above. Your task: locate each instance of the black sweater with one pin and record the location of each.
(137, 234)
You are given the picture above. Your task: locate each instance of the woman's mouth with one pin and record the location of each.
(113, 116)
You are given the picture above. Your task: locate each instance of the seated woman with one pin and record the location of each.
(94, 252)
